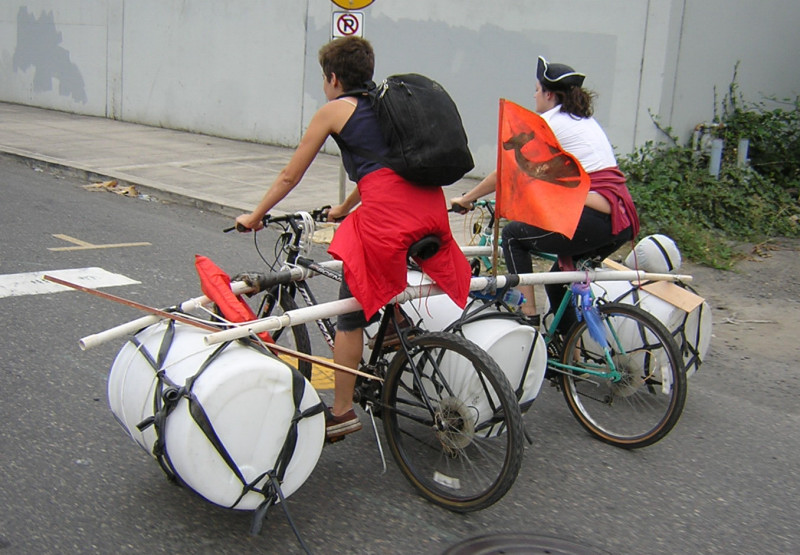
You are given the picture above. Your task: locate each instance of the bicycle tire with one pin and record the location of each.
(465, 451)
(646, 403)
(278, 300)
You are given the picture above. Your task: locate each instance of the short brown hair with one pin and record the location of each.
(351, 59)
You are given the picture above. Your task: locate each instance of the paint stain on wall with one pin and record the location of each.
(38, 46)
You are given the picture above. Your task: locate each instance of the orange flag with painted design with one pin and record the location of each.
(537, 182)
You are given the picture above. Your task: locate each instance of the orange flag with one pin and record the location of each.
(537, 182)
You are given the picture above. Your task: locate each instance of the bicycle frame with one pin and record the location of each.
(486, 238)
(326, 327)
(614, 375)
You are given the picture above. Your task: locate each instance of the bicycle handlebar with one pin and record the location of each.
(460, 209)
(318, 215)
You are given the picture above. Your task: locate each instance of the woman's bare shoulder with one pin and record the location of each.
(335, 113)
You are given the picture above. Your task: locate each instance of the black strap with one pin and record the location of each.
(201, 418)
(164, 400)
(167, 396)
(664, 253)
(368, 88)
(524, 376)
(272, 489)
(685, 346)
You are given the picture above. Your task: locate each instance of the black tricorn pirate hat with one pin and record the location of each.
(558, 77)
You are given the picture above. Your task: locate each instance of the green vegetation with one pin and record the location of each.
(676, 195)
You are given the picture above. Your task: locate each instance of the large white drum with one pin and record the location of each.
(655, 253)
(692, 331)
(519, 350)
(248, 401)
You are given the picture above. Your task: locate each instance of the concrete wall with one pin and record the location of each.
(247, 69)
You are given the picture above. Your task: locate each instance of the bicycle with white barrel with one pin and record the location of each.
(622, 371)
(193, 385)
(449, 414)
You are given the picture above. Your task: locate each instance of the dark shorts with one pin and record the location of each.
(353, 320)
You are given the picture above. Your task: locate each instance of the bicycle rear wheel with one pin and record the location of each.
(276, 301)
(452, 422)
(646, 402)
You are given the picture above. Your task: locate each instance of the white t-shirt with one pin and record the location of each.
(583, 138)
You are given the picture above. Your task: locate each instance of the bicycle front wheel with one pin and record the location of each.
(452, 422)
(644, 401)
(277, 301)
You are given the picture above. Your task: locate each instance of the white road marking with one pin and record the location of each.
(33, 283)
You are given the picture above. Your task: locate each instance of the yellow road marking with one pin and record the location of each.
(83, 245)
(321, 377)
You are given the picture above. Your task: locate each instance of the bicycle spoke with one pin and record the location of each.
(633, 394)
(467, 456)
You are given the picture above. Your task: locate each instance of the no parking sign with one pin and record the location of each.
(347, 24)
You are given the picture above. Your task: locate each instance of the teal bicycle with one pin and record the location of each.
(618, 367)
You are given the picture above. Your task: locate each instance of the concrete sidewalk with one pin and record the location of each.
(214, 173)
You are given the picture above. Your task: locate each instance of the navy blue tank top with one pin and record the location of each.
(361, 132)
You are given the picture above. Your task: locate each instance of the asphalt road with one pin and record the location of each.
(724, 481)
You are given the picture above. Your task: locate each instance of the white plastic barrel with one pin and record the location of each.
(692, 331)
(655, 253)
(508, 342)
(247, 396)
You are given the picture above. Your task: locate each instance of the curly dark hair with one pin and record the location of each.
(350, 58)
(575, 101)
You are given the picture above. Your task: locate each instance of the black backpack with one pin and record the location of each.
(423, 129)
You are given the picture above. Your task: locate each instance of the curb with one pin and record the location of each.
(158, 191)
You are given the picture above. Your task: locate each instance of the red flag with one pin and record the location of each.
(537, 182)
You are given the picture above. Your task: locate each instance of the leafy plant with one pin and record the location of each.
(676, 195)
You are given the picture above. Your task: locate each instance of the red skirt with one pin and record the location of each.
(373, 241)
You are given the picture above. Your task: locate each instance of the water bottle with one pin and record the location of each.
(514, 298)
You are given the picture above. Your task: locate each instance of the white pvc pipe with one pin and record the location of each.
(741, 153)
(542, 278)
(545, 278)
(94, 340)
(291, 318)
(470, 251)
(715, 160)
(334, 308)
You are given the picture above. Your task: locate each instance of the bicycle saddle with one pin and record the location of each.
(425, 248)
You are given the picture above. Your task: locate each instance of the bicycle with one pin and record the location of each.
(623, 379)
(449, 415)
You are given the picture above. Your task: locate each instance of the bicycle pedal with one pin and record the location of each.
(333, 440)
